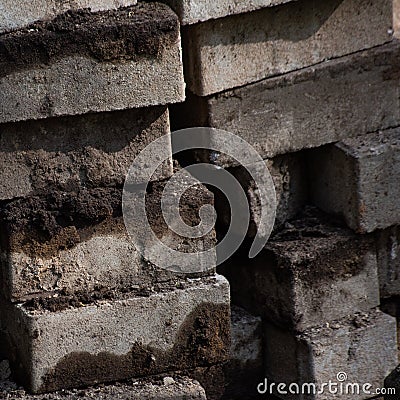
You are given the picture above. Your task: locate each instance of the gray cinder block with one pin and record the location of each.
(68, 153)
(331, 101)
(77, 242)
(234, 51)
(363, 347)
(75, 341)
(312, 271)
(358, 178)
(85, 62)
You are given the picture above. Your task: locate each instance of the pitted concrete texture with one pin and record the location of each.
(332, 101)
(16, 15)
(193, 11)
(388, 249)
(77, 243)
(362, 346)
(118, 339)
(235, 51)
(358, 178)
(68, 153)
(74, 65)
(289, 176)
(166, 388)
(311, 272)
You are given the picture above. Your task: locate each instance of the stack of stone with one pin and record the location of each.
(313, 86)
(84, 87)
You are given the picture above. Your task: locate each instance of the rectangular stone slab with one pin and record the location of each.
(78, 243)
(18, 14)
(237, 50)
(311, 272)
(358, 178)
(85, 62)
(79, 345)
(192, 11)
(334, 100)
(362, 346)
(68, 153)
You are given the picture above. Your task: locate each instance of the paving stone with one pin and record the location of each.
(326, 103)
(358, 179)
(69, 342)
(191, 11)
(75, 65)
(68, 153)
(388, 250)
(396, 17)
(234, 51)
(174, 389)
(77, 243)
(312, 271)
(15, 15)
(362, 346)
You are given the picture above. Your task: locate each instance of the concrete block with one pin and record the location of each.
(85, 62)
(156, 388)
(363, 347)
(312, 271)
(68, 153)
(245, 368)
(230, 52)
(290, 179)
(16, 15)
(191, 11)
(388, 251)
(67, 342)
(77, 243)
(358, 179)
(326, 103)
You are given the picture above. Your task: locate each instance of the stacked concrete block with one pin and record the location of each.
(316, 286)
(83, 92)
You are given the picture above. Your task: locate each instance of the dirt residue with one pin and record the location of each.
(121, 34)
(316, 242)
(44, 224)
(203, 339)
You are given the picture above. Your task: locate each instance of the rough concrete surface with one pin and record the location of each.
(235, 51)
(158, 388)
(396, 17)
(77, 242)
(68, 153)
(193, 11)
(312, 271)
(388, 251)
(85, 62)
(363, 346)
(118, 339)
(332, 101)
(245, 367)
(16, 15)
(358, 178)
